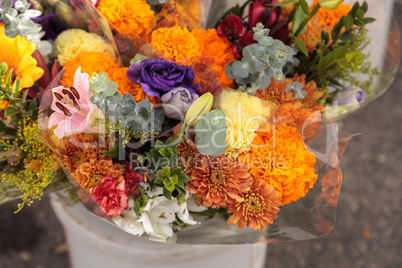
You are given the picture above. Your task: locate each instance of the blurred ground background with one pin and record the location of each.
(368, 232)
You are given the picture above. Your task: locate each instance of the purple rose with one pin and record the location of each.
(158, 77)
(176, 102)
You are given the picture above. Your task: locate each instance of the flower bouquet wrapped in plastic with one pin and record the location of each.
(223, 135)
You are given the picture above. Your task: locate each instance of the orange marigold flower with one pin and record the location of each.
(119, 75)
(312, 35)
(128, 15)
(90, 62)
(90, 174)
(279, 157)
(255, 208)
(332, 17)
(286, 10)
(218, 180)
(188, 153)
(175, 42)
(218, 48)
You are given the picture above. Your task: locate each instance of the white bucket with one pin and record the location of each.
(95, 243)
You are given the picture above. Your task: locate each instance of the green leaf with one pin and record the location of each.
(301, 45)
(14, 101)
(298, 18)
(368, 20)
(360, 14)
(347, 37)
(364, 7)
(168, 185)
(2, 126)
(25, 95)
(7, 81)
(114, 152)
(167, 194)
(11, 131)
(3, 68)
(137, 206)
(338, 26)
(10, 111)
(16, 88)
(348, 22)
(32, 104)
(354, 9)
(304, 6)
(289, 2)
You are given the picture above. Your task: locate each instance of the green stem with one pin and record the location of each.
(306, 20)
(318, 72)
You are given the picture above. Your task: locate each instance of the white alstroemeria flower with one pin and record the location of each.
(151, 191)
(128, 220)
(158, 216)
(183, 213)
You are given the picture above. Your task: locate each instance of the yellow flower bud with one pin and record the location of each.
(201, 106)
(330, 4)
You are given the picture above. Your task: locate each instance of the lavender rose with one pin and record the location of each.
(158, 77)
(176, 102)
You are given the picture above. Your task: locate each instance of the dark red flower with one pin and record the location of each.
(111, 196)
(260, 13)
(232, 27)
(132, 178)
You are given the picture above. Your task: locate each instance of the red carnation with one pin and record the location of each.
(132, 178)
(111, 196)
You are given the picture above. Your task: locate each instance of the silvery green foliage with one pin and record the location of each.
(138, 58)
(100, 83)
(137, 117)
(260, 62)
(210, 133)
(17, 19)
(299, 93)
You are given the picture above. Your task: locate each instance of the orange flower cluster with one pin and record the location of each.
(283, 162)
(312, 35)
(128, 15)
(90, 62)
(294, 112)
(178, 43)
(332, 17)
(223, 183)
(211, 45)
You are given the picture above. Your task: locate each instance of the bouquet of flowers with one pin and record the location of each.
(178, 133)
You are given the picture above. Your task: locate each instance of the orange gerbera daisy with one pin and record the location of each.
(280, 158)
(218, 48)
(255, 208)
(218, 180)
(128, 15)
(90, 174)
(90, 62)
(119, 75)
(332, 17)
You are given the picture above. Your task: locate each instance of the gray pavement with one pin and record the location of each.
(368, 232)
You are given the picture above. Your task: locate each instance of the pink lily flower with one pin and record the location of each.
(73, 110)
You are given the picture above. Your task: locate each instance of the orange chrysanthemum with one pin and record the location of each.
(188, 154)
(280, 158)
(295, 112)
(124, 85)
(128, 15)
(176, 43)
(256, 208)
(90, 62)
(332, 17)
(276, 93)
(90, 174)
(81, 148)
(218, 180)
(218, 48)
